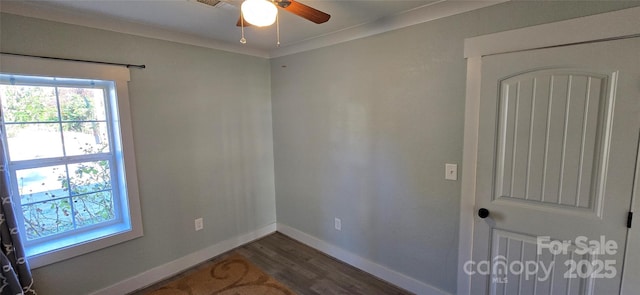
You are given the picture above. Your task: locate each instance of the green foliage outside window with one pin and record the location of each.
(84, 195)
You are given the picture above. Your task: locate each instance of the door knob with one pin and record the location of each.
(483, 213)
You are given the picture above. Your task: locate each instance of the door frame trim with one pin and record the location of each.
(601, 27)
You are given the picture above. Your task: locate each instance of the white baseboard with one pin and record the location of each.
(174, 267)
(384, 273)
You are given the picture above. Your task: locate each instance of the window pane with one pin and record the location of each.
(42, 184)
(85, 138)
(34, 141)
(47, 218)
(89, 177)
(28, 103)
(94, 208)
(81, 104)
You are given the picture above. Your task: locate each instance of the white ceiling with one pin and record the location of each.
(189, 21)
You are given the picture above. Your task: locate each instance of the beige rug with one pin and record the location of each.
(233, 275)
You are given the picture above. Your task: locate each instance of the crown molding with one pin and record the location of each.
(603, 26)
(97, 21)
(422, 14)
(429, 12)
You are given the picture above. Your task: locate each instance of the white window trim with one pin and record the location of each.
(599, 27)
(120, 75)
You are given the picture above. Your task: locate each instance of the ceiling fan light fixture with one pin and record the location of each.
(260, 13)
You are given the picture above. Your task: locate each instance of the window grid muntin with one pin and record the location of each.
(51, 122)
(109, 102)
(67, 196)
(108, 90)
(34, 164)
(79, 230)
(64, 147)
(115, 194)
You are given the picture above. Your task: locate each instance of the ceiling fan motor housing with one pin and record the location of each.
(282, 3)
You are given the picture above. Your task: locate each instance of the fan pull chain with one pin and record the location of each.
(277, 29)
(242, 40)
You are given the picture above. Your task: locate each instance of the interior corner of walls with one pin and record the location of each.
(174, 267)
(371, 267)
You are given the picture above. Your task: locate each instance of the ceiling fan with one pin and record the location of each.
(291, 6)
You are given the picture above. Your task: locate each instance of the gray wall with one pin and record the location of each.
(203, 141)
(362, 131)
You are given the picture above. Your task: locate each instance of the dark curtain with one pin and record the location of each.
(15, 275)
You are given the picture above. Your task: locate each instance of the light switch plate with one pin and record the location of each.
(451, 172)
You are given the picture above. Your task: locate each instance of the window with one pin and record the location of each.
(72, 173)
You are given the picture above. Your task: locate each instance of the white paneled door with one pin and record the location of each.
(558, 138)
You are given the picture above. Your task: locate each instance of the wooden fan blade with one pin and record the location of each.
(239, 23)
(307, 12)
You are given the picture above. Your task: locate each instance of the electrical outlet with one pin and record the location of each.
(199, 224)
(338, 224)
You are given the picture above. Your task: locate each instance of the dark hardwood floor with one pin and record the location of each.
(304, 269)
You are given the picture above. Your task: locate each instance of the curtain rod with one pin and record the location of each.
(79, 60)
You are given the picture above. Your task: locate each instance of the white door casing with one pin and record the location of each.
(526, 170)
